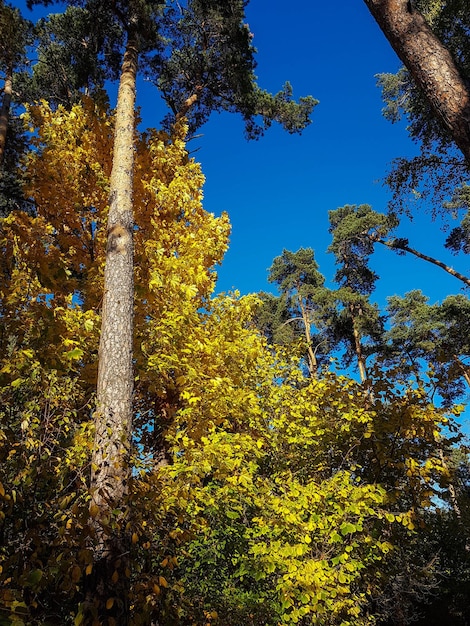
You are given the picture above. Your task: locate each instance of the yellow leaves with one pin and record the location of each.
(190, 399)
(256, 448)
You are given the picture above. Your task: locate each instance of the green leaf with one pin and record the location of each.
(347, 528)
(76, 353)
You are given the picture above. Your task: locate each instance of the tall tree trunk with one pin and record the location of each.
(113, 418)
(430, 64)
(5, 113)
(312, 359)
(361, 362)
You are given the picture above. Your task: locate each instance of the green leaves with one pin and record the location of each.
(346, 528)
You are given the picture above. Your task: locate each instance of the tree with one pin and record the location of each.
(292, 314)
(356, 281)
(431, 65)
(434, 334)
(15, 34)
(362, 226)
(438, 176)
(208, 64)
(267, 504)
(278, 497)
(69, 50)
(324, 319)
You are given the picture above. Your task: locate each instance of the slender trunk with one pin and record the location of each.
(425, 257)
(312, 359)
(361, 362)
(430, 64)
(5, 113)
(113, 417)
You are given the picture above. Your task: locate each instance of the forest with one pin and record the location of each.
(173, 455)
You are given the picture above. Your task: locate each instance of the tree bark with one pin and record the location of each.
(361, 362)
(312, 359)
(113, 418)
(5, 113)
(430, 64)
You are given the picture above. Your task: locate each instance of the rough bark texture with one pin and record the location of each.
(430, 64)
(4, 114)
(113, 418)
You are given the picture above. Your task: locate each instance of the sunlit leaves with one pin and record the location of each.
(257, 495)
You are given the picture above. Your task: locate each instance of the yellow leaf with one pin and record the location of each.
(2, 490)
(162, 581)
(89, 569)
(115, 576)
(135, 537)
(109, 603)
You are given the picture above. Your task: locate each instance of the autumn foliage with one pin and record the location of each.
(259, 495)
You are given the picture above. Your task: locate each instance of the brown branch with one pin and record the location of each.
(403, 247)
